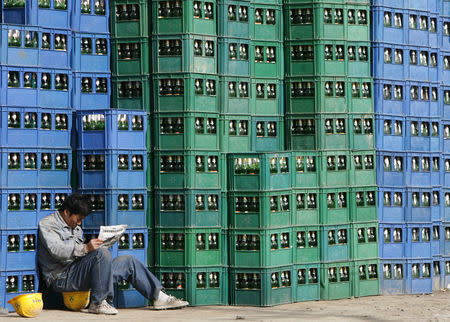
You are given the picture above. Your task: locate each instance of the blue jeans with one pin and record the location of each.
(98, 272)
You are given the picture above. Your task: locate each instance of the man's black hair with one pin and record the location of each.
(77, 204)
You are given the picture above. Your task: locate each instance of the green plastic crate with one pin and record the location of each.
(256, 248)
(235, 95)
(305, 168)
(327, 57)
(185, 252)
(262, 65)
(329, 94)
(264, 140)
(199, 286)
(363, 203)
(235, 133)
(132, 102)
(150, 171)
(130, 66)
(259, 171)
(187, 176)
(362, 165)
(187, 22)
(335, 243)
(253, 286)
(336, 280)
(190, 208)
(316, 28)
(366, 277)
(151, 248)
(306, 211)
(260, 29)
(334, 205)
(267, 97)
(188, 97)
(186, 131)
(121, 28)
(192, 56)
(326, 131)
(235, 56)
(334, 168)
(306, 282)
(262, 209)
(364, 240)
(362, 137)
(306, 244)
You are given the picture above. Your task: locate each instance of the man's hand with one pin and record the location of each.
(94, 244)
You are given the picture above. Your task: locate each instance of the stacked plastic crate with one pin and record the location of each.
(444, 73)
(410, 123)
(329, 110)
(189, 170)
(111, 152)
(36, 122)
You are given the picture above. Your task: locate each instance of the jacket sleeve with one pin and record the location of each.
(60, 248)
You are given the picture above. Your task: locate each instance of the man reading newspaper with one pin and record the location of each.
(67, 264)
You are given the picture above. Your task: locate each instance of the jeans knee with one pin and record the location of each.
(103, 254)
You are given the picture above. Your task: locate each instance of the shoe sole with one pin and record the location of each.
(168, 307)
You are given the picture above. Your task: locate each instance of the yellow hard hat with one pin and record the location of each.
(27, 305)
(76, 301)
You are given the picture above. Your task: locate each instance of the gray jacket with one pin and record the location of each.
(59, 246)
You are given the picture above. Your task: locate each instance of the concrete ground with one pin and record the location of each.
(431, 307)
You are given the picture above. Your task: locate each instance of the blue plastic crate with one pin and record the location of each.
(445, 238)
(421, 205)
(111, 129)
(392, 240)
(268, 134)
(35, 94)
(446, 271)
(116, 207)
(23, 286)
(424, 170)
(391, 166)
(234, 23)
(23, 46)
(445, 97)
(95, 59)
(99, 169)
(444, 64)
(423, 134)
(335, 242)
(95, 19)
(438, 273)
(419, 273)
(35, 127)
(393, 279)
(445, 129)
(445, 20)
(419, 240)
(128, 298)
(239, 66)
(34, 167)
(18, 250)
(390, 132)
(438, 238)
(389, 30)
(394, 61)
(391, 204)
(424, 5)
(91, 96)
(19, 214)
(15, 15)
(51, 17)
(446, 204)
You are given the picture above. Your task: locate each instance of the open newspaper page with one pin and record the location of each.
(111, 234)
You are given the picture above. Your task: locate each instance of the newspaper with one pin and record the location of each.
(111, 234)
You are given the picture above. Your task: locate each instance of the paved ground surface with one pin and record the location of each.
(432, 307)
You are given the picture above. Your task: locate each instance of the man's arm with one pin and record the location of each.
(57, 247)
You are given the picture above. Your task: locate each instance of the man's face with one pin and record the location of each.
(72, 220)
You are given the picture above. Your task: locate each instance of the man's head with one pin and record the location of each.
(74, 209)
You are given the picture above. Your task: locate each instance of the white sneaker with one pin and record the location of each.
(102, 308)
(170, 303)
